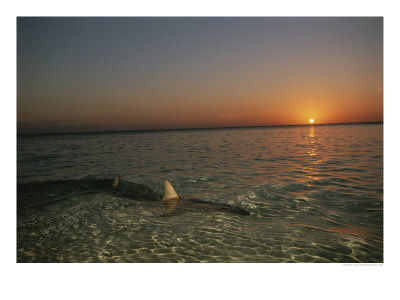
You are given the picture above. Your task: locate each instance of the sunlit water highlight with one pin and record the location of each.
(315, 194)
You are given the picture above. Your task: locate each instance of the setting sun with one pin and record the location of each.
(311, 121)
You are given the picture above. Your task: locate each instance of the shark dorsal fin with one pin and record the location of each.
(170, 199)
(169, 191)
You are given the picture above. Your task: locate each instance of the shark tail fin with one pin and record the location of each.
(116, 182)
(171, 198)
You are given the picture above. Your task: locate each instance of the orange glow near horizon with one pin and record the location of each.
(311, 121)
(126, 73)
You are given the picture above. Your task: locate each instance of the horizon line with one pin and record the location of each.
(189, 128)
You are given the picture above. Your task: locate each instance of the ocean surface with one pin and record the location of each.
(314, 194)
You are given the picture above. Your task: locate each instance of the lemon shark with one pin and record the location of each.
(43, 193)
(172, 200)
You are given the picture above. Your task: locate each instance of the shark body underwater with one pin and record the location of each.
(114, 220)
(39, 194)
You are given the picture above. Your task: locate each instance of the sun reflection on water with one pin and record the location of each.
(313, 155)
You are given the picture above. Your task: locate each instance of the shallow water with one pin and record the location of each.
(315, 194)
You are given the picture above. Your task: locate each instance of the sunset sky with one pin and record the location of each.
(87, 74)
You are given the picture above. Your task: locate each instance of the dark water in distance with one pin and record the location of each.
(315, 194)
